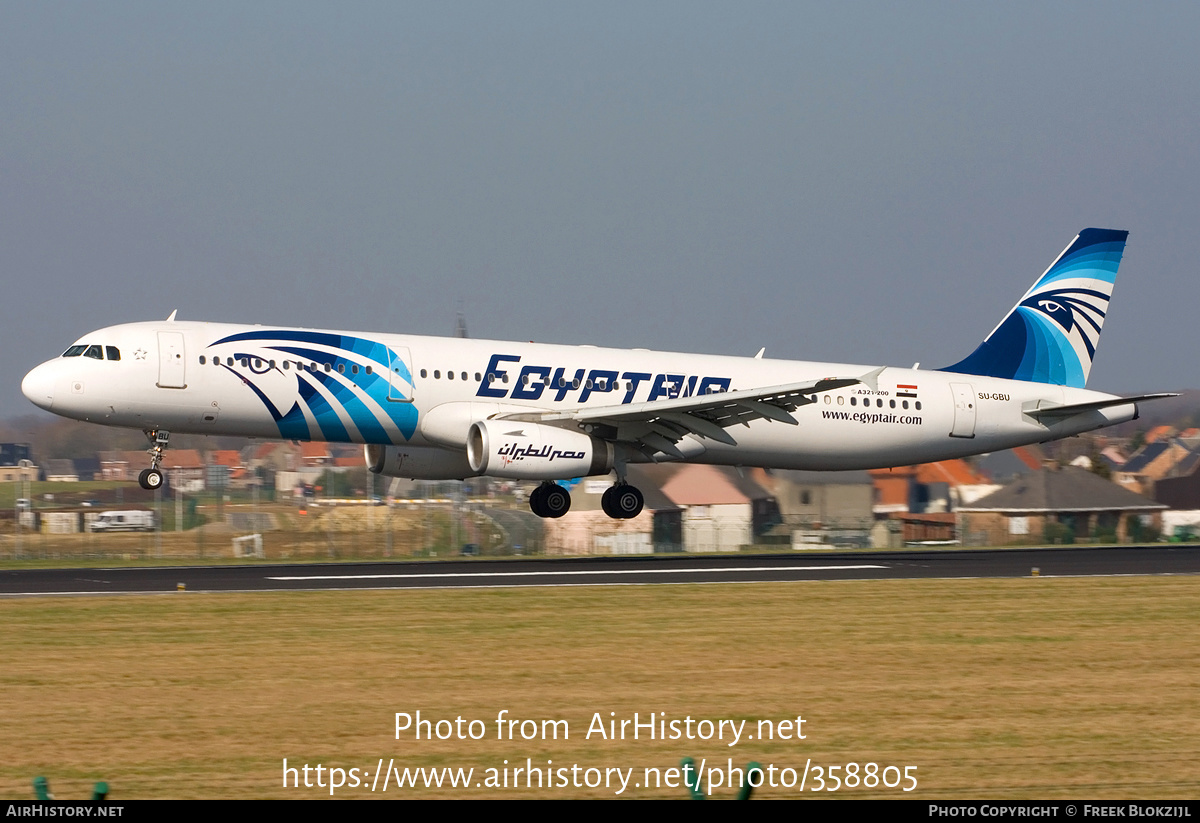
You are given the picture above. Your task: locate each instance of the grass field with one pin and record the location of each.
(1033, 688)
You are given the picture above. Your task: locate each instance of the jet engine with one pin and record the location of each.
(418, 462)
(531, 451)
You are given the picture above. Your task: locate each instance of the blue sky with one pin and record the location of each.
(863, 182)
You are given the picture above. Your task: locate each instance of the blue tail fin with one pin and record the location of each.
(1050, 336)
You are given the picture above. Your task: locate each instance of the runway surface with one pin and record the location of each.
(997, 563)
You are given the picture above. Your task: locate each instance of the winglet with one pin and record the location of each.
(171, 316)
(871, 378)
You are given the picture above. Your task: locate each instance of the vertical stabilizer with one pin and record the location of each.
(1051, 335)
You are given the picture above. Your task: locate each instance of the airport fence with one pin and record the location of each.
(324, 531)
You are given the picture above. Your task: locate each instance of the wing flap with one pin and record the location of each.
(714, 407)
(698, 425)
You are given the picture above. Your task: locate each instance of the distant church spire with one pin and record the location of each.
(460, 325)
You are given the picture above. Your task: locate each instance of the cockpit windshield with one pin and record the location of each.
(94, 351)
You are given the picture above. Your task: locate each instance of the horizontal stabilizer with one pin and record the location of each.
(1079, 408)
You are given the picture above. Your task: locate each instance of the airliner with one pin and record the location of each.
(451, 408)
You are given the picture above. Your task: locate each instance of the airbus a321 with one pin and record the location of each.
(449, 408)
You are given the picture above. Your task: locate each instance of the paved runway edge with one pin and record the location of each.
(967, 563)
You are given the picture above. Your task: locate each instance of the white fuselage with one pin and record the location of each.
(425, 392)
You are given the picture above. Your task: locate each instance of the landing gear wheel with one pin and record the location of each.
(556, 500)
(536, 504)
(150, 479)
(606, 503)
(550, 500)
(622, 502)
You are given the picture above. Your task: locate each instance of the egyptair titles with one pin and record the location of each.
(533, 382)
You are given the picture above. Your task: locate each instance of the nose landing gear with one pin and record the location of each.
(152, 478)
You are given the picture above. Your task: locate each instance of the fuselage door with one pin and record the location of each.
(172, 362)
(400, 376)
(964, 410)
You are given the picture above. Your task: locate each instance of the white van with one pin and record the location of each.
(127, 521)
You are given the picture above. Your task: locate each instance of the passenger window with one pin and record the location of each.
(341, 368)
(112, 352)
(368, 369)
(449, 375)
(354, 369)
(424, 373)
(202, 360)
(287, 364)
(477, 377)
(94, 352)
(437, 374)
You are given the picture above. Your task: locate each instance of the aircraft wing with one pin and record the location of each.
(656, 426)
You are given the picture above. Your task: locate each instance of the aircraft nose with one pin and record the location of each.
(38, 386)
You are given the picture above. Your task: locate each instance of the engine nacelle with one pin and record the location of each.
(418, 462)
(531, 451)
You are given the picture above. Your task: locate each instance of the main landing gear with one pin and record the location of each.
(620, 502)
(550, 500)
(152, 478)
